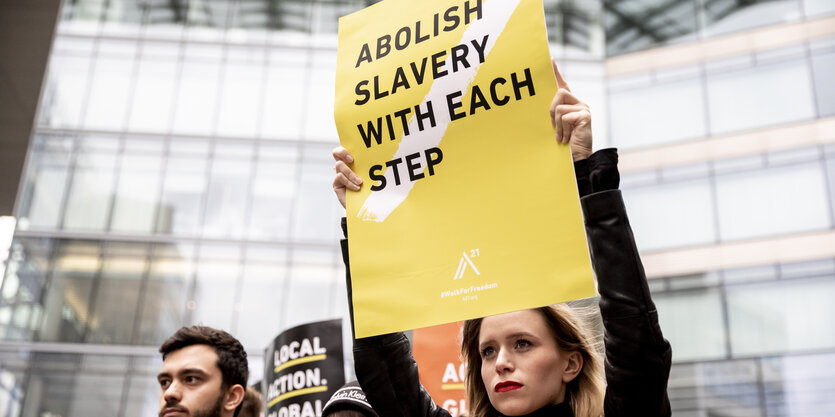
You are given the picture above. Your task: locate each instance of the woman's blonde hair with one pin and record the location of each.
(573, 334)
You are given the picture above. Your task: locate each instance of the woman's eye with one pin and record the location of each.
(522, 344)
(486, 352)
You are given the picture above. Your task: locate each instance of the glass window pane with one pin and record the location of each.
(325, 16)
(823, 66)
(656, 214)
(198, 90)
(163, 21)
(576, 27)
(97, 393)
(181, 204)
(85, 9)
(68, 301)
(240, 97)
(218, 272)
(818, 7)
(23, 286)
(775, 317)
(757, 97)
(88, 205)
(250, 24)
(12, 380)
(142, 396)
(830, 172)
(153, 98)
(163, 311)
(81, 17)
(123, 18)
(97, 388)
(137, 193)
(227, 197)
(733, 16)
(118, 293)
(317, 215)
(692, 339)
(800, 383)
(716, 388)
(273, 190)
(787, 199)
(320, 124)
(292, 17)
(209, 14)
(262, 293)
(284, 89)
(632, 25)
(58, 386)
(678, 112)
(66, 86)
(110, 88)
(51, 383)
(312, 277)
(46, 183)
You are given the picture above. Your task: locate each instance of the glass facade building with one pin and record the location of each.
(180, 173)
(723, 114)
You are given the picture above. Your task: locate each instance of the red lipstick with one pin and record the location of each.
(507, 386)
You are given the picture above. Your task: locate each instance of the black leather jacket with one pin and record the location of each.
(637, 355)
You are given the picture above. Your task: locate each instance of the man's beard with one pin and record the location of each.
(213, 411)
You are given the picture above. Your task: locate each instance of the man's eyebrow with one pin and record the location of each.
(192, 371)
(187, 371)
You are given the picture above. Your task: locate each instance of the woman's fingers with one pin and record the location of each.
(341, 154)
(564, 116)
(343, 171)
(339, 188)
(555, 117)
(572, 121)
(571, 118)
(340, 181)
(565, 97)
(343, 158)
(580, 137)
(346, 178)
(560, 80)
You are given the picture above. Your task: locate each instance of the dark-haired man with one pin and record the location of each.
(204, 372)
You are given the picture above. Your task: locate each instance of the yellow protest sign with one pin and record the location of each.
(468, 207)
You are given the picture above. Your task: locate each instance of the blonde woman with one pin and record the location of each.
(543, 362)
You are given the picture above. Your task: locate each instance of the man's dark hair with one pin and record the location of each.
(231, 354)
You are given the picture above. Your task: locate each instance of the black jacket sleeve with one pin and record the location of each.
(637, 355)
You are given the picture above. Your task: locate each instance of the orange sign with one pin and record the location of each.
(437, 351)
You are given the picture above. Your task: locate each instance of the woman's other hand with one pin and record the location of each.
(345, 177)
(571, 118)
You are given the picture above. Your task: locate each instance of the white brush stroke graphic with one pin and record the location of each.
(379, 205)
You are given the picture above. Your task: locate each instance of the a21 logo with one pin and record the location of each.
(466, 260)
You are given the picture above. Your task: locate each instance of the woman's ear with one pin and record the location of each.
(234, 396)
(573, 366)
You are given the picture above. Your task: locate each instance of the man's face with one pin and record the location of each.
(191, 383)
